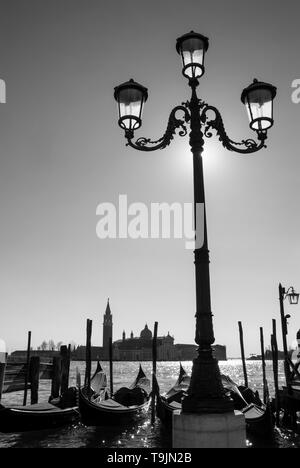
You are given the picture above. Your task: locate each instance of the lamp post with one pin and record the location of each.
(293, 298)
(206, 393)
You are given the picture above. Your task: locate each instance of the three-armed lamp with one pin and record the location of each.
(206, 393)
(257, 97)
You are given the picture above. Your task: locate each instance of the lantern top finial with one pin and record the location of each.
(131, 84)
(192, 35)
(258, 85)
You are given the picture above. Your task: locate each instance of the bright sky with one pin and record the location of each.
(62, 153)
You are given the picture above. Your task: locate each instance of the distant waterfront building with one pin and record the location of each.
(140, 348)
(107, 328)
(44, 355)
(137, 348)
(188, 352)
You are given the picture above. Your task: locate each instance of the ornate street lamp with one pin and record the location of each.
(206, 393)
(258, 99)
(293, 298)
(192, 48)
(130, 97)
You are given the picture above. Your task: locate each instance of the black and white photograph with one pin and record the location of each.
(149, 227)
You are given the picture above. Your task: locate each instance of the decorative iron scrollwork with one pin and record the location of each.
(146, 144)
(216, 124)
(210, 126)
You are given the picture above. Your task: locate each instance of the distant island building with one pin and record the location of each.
(107, 327)
(139, 348)
(133, 348)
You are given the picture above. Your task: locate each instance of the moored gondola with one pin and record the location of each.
(258, 416)
(259, 419)
(36, 417)
(99, 409)
(171, 401)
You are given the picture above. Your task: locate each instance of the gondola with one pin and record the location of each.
(98, 408)
(257, 415)
(171, 401)
(36, 417)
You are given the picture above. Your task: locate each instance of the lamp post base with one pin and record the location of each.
(209, 430)
(206, 393)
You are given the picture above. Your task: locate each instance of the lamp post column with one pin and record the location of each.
(206, 393)
(284, 335)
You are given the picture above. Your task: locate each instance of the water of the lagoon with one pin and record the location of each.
(141, 433)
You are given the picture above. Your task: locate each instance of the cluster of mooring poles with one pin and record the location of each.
(285, 405)
(17, 375)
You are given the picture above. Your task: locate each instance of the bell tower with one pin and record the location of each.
(107, 327)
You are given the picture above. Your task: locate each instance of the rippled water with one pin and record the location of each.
(141, 433)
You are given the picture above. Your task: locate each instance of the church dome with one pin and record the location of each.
(146, 334)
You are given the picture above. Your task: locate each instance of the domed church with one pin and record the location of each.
(146, 334)
(140, 348)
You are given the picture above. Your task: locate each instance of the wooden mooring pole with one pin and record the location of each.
(34, 377)
(27, 369)
(56, 377)
(65, 353)
(88, 358)
(154, 359)
(263, 361)
(3, 358)
(274, 347)
(111, 371)
(243, 354)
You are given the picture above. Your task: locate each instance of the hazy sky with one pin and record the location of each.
(62, 153)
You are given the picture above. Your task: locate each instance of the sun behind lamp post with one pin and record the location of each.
(206, 393)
